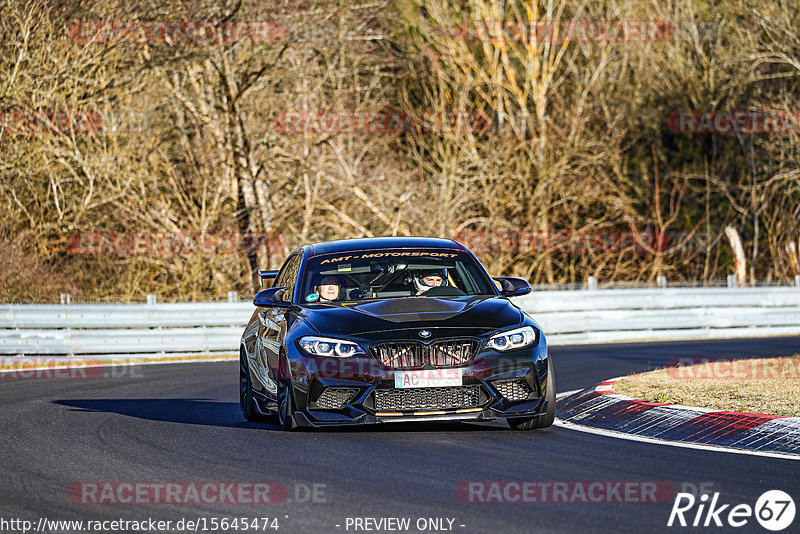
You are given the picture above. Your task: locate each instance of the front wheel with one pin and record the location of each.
(546, 419)
(286, 405)
(246, 400)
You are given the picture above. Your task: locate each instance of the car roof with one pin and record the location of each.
(371, 243)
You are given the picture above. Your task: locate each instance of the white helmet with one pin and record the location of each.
(420, 285)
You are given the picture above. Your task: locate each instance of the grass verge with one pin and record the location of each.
(754, 385)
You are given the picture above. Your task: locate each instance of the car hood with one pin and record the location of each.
(483, 313)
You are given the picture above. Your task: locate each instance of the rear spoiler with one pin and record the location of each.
(266, 275)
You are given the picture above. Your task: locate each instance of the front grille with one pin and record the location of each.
(513, 389)
(411, 354)
(335, 398)
(390, 399)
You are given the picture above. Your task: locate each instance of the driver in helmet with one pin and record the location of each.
(424, 280)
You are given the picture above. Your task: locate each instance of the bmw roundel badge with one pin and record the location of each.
(425, 334)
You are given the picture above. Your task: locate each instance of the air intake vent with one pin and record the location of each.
(513, 389)
(427, 398)
(335, 398)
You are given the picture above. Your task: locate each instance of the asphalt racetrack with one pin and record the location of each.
(181, 423)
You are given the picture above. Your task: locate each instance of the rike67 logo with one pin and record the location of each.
(774, 510)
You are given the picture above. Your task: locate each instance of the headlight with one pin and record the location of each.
(332, 348)
(513, 339)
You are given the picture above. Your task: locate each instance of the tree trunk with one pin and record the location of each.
(740, 264)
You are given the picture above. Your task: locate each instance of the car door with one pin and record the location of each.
(273, 319)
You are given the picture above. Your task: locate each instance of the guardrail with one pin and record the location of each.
(566, 316)
(674, 313)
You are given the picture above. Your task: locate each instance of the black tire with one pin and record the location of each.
(547, 418)
(286, 405)
(246, 401)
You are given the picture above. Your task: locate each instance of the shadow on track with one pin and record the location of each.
(226, 414)
(188, 411)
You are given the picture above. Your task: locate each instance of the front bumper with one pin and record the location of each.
(329, 392)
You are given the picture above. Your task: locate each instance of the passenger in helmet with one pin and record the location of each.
(424, 280)
(328, 289)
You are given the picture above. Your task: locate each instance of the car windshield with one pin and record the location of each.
(401, 273)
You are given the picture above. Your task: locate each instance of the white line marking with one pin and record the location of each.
(99, 363)
(567, 393)
(655, 441)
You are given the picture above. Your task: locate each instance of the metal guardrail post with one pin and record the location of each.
(152, 299)
(65, 298)
(797, 280)
(661, 281)
(591, 283)
(233, 296)
(732, 280)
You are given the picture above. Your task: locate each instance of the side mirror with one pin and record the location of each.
(513, 287)
(272, 297)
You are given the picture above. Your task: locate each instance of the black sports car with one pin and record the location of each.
(392, 329)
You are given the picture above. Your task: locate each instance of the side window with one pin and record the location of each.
(288, 276)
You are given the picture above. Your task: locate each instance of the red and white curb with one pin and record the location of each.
(602, 409)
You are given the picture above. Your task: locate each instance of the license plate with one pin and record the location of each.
(428, 378)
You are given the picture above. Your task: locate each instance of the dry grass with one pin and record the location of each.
(758, 385)
(579, 143)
